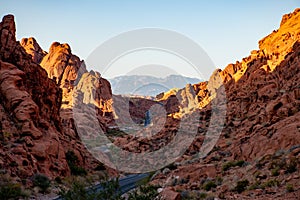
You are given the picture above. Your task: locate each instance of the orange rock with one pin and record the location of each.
(29, 99)
(168, 194)
(33, 48)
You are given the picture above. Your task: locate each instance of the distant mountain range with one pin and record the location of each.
(148, 85)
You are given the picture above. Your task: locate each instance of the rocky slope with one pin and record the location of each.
(261, 129)
(45, 108)
(37, 127)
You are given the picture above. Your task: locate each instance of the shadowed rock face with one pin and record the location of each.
(30, 104)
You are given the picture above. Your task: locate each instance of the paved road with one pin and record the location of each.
(126, 184)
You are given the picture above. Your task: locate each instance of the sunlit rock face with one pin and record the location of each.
(33, 48)
(262, 121)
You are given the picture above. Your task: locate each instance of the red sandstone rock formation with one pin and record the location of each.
(33, 48)
(37, 128)
(262, 121)
(30, 104)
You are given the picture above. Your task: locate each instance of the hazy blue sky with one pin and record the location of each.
(226, 30)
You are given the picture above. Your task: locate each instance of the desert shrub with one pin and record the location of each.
(270, 183)
(239, 163)
(292, 165)
(192, 195)
(231, 164)
(41, 181)
(289, 188)
(254, 186)
(110, 191)
(219, 180)
(171, 166)
(241, 185)
(72, 161)
(257, 174)
(227, 166)
(202, 195)
(77, 170)
(144, 192)
(278, 163)
(86, 191)
(77, 191)
(209, 185)
(9, 189)
(275, 171)
(100, 167)
(58, 180)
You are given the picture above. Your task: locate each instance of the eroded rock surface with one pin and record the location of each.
(30, 104)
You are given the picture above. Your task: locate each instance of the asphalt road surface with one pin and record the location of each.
(126, 184)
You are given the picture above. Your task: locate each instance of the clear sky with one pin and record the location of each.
(226, 29)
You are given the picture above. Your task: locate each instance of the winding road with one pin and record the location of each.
(126, 184)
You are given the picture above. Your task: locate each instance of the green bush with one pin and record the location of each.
(275, 171)
(111, 190)
(239, 163)
(171, 166)
(9, 189)
(270, 183)
(77, 191)
(209, 185)
(292, 166)
(289, 188)
(278, 163)
(241, 186)
(202, 195)
(85, 191)
(144, 193)
(192, 195)
(231, 164)
(100, 167)
(58, 180)
(72, 161)
(219, 180)
(77, 170)
(41, 181)
(256, 185)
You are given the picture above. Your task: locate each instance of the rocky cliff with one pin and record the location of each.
(256, 156)
(37, 127)
(261, 129)
(30, 122)
(33, 48)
